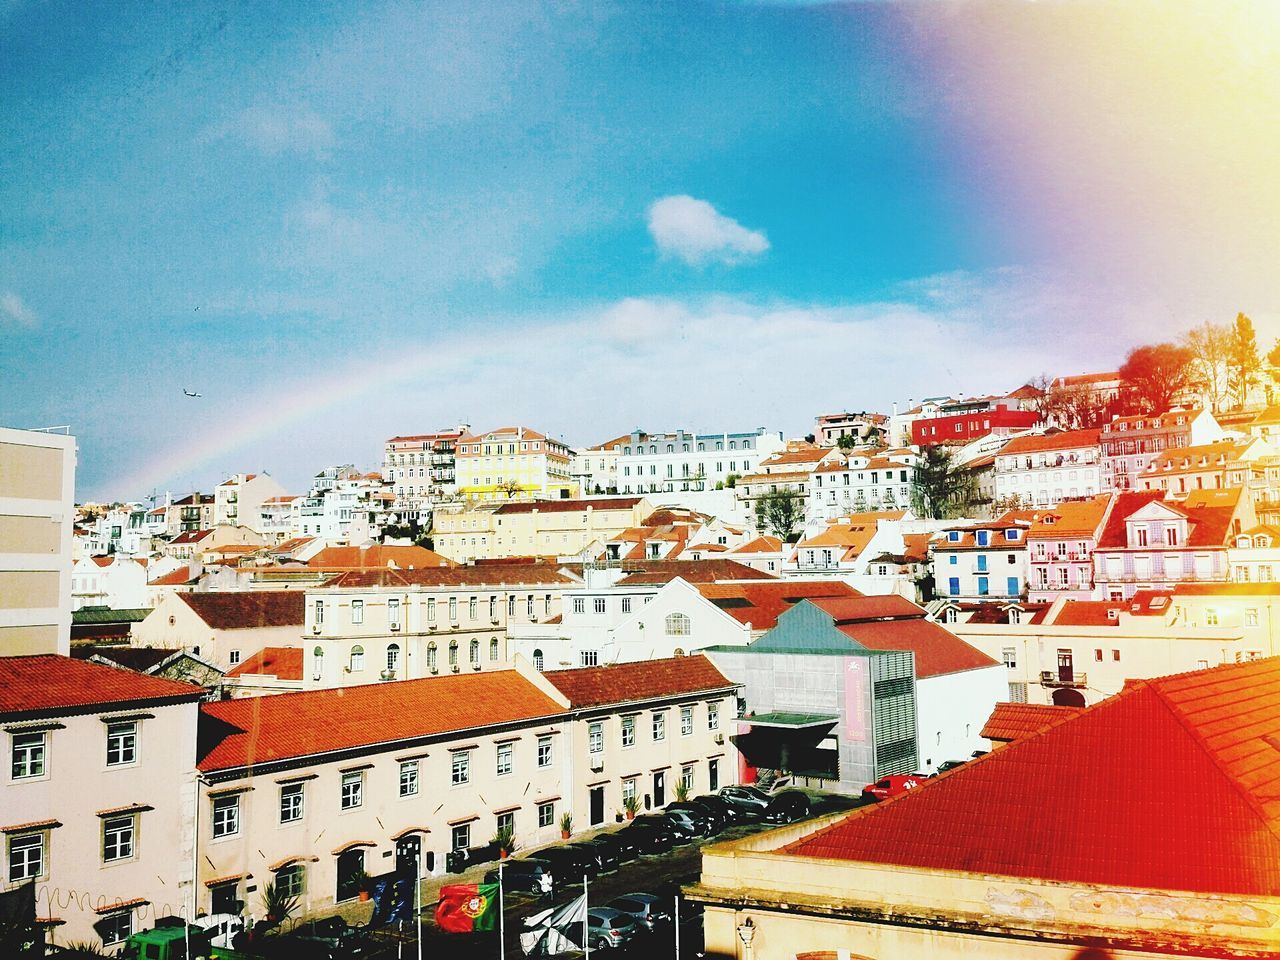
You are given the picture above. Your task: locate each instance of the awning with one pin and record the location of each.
(794, 721)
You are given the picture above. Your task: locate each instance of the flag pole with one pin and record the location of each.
(677, 926)
(586, 921)
(502, 915)
(417, 906)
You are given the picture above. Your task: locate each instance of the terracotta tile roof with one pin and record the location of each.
(48, 682)
(1024, 392)
(763, 544)
(103, 561)
(191, 536)
(806, 454)
(994, 612)
(1127, 504)
(1199, 810)
(647, 680)
(248, 608)
(1150, 603)
(282, 662)
(567, 506)
(287, 498)
(1168, 421)
(255, 730)
(1266, 589)
(140, 659)
(692, 571)
(1042, 443)
(480, 575)
(1090, 613)
(666, 516)
(1013, 721)
(1267, 417)
(1071, 518)
(759, 604)
(895, 623)
(1187, 459)
(916, 546)
(177, 578)
(354, 558)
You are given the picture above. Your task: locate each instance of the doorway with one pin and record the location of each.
(408, 851)
(597, 806)
(660, 789)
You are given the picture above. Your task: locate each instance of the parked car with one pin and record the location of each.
(608, 928)
(337, 933)
(569, 862)
(894, 785)
(708, 820)
(727, 810)
(688, 824)
(617, 844)
(605, 856)
(648, 911)
(749, 800)
(787, 807)
(651, 835)
(527, 874)
(946, 765)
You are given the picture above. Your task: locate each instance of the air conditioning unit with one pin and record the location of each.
(395, 628)
(597, 763)
(455, 668)
(719, 738)
(431, 626)
(475, 666)
(387, 674)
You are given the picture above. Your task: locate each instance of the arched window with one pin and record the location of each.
(537, 660)
(677, 625)
(393, 655)
(493, 648)
(453, 653)
(671, 448)
(431, 657)
(475, 652)
(317, 668)
(357, 658)
(679, 652)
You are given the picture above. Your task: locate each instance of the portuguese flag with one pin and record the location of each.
(467, 907)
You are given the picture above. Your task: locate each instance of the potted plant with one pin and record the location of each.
(682, 792)
(632, 806)
(566, 825)
(504, 840)
(278, 904)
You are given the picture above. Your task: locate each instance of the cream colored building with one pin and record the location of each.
(96, 794)
(37, 513)
(410, 624)
(558, 528)
(224, 628)
(238, 500)
(511, 463)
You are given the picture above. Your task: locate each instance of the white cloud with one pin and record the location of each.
(14, 311)
(277, 130)
(697, 233)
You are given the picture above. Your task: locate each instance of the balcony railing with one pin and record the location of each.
(1057, 678)
(1101, 577)
(1061, 586)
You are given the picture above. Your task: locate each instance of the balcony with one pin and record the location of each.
(1161, 576)
(1061, 587)
(1063, 678)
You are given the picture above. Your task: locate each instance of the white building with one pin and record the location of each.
(237, 501)
(861, 481)
(117, 582)
(1044, 469)
(688, 462)
(984, 561)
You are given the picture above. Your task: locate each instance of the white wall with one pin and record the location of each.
(951, 710)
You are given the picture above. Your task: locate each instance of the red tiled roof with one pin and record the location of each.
(282, 662)
(1013, 721)
(1127, 504)
(762, 544)
(494, 574)
(352, 558)
(760, 604)
(1040, 443)
(177, 578)
(937, 650)
(1071, 518)
(249, 608)
(48, 682)
(567, 506)
(1172, 784)
(647, 680)
(693, 571)
(191, 536)
(254, 730)
(1090, 613)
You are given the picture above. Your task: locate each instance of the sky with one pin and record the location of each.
(339, 223)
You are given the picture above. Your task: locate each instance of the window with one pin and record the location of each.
(493, 649)
(713, 774)
(544, 751)
(677, 625)
(506, 821)
(628, 789)
(1210, 617)
(409, 778)
(462, 836)
(357, 611)
(431, 609)
(393, 656)
(352, 790)
(511, 606)
(1097, 655)
(538, 660)
(1115, 655)
(493, 608)
(233, 657)
(115, 927)
(473, 608)
(628, 731)
(28, 755)
(982, 562)
(291, 802)
(453, 608)
(291, 880)
(626, 604)
(546, 814)
(1251, 617)
(393, 613)
(588, 658)
(461, 767)
(505, 753)
(453, 653)
(357, 659)
(319, 612)
(475, 652)
(686, 720)
(431, 657)
(659, 726)
(26, 857)
(713, 715)
(579, 605)
(226, 816)
(1010, 655)
(595, 736)
(117, 838)
(686, 777)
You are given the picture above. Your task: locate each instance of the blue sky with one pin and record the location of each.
(343, 222)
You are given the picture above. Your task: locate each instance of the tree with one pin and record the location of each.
(781, 511)
(847, 441)
(1209, 345)
(1242, 360)
(1153, 375)
(510, 488)
(941, 487)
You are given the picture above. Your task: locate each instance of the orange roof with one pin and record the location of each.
(1187, 459)
(805, 454)
(355, 558)
(282, 662)
(762, 544)
(481, 574)
(177, 578)
(51, 683)
(759, 604)
(1200, 809)
(1042, 442)
(1013, 721)
(1071, 518)
(1266, 417)
(646, 680)
(249, 608)
(1089, 613)
(692, 571)
(255, 730)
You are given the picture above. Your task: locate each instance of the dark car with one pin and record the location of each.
(337, 933)
(706, 822)
(528, 874)
(621, 847)
(680, 832)
(604, 855)
(749, 800)
(651, 835)
(727, 810)
(569, 863)
(649, 911)
(946, 765)
(687, 824)
(717, 813)
(787, 807)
